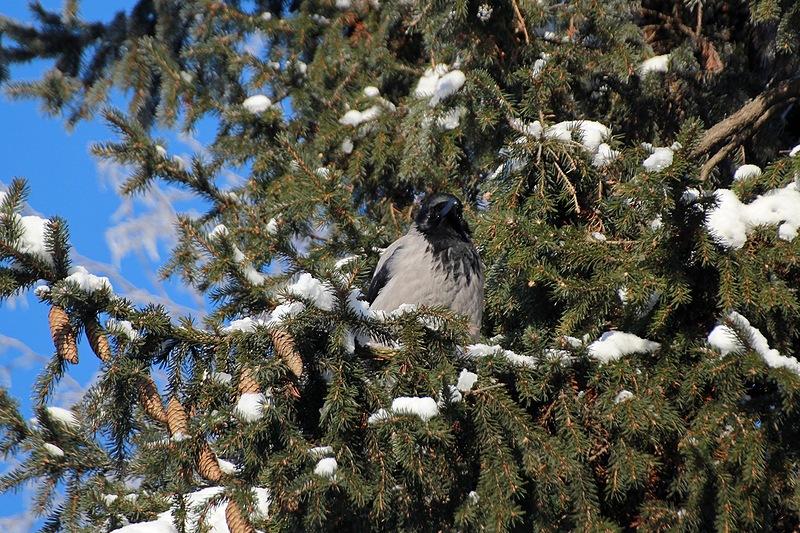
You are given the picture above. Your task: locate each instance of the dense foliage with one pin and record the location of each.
(641, 304)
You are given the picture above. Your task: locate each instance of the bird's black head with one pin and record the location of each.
(442, 215)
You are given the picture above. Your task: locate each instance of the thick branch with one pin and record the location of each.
(744, 123)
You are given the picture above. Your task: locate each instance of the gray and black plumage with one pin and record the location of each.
(434, 264)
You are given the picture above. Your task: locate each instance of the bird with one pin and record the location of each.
(434, 264)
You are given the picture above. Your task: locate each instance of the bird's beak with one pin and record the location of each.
(447, 207)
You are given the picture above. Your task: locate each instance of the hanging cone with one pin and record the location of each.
(97, 339)
(285, 349)
(151, 401)
(177, 421)
(207, 464)
(236, 522)
(247, 383)
(63, 335)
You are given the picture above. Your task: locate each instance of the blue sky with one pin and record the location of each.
(111, 236)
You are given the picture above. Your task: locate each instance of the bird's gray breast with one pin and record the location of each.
(433, 273)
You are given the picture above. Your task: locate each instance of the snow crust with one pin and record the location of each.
(654, 64)
(257, 103)
(250, 406)
(482, 350)
(88, 282)
(424, 407)
(252, 275)
(613, 345)
(746, 171)
(731, 221)
(213, 520)
(623, 396)
(660, 159)
(326, 467)
(320, 451)
(438, 83)
(53, 450)
(122, 327)
(466, 380)
(307, 286)
(32, 239)
(64, 416)
(724, 339)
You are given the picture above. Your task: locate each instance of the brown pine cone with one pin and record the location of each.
(63, 335)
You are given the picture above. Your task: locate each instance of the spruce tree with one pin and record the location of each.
(629, 173)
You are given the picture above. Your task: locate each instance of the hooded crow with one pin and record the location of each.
(434, 264)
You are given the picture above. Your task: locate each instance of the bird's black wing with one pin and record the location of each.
(382, 275)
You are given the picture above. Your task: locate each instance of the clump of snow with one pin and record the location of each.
(266, 15)
(794, 151)
(349, 341)
(371, 92)
(424, 407)
(731, 221)
(64, 416)
(284, 311)
(623, 395)
(438, 83)
(32, 239)
(187, 76)
(53, 450)
(596, 235)
(605, 155)
(223, 378)
(320, 451)
(725, 339)
(615, 344)
(88, 282)
(484, 12)
(451, 119)
(320, 19)
(307, 286)
(41, 290)
(591, 133)
(473, 497)
(426, 86)
(122, 327)
(250, 406)
(218, 231)
(108, 499)
(746, 171)
(272, 227)
(227, 467)
(252, 275)
(466, 380)
(660, 159)
(539, 64)
(245, 325)
(161, 151)
(483, 350)
(654, 64)
(354, 117)
(656, 223)
(347, 146)
(787, 231)
(378, 416)
(200, 515)
(257, 103)
(326, 467)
